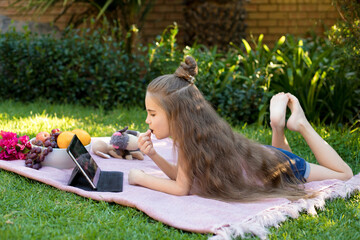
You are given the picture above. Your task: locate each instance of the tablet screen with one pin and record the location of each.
(83, 160)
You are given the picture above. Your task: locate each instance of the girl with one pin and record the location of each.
(215, 162)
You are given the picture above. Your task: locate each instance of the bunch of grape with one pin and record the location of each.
(36, 156)
(52, 141)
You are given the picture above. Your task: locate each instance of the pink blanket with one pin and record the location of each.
(191, 213)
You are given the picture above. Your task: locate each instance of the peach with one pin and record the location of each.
(42, 136)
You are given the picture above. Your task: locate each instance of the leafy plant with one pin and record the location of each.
(342, 88)
(235, 82)
(345, 87)
(217, 80)
(163, 56)
(256, 68)
(304, 66)
(318, 74)
(346, 32)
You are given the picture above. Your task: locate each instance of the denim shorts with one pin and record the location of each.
(299, 166)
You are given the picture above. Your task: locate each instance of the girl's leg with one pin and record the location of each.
(331, 164)
(278, 105)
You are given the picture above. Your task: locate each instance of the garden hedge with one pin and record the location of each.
(93, 69)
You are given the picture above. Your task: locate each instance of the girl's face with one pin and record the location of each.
(156, 118)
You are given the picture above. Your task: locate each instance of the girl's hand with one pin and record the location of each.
(134, 176)
(145, 144)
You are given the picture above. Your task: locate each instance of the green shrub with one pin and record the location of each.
(219, 82)
(92, 69)
(236, 98)
(256, 69)
(164, 55)
(345, 33)
(342, 89)
(345, 87)
(303, 71)
(318, 74)
(84, 69)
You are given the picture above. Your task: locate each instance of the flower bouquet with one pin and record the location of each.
(12, 147)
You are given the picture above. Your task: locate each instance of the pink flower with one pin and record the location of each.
(21, 146)
(3, 155)
(24, 139)
(28, 145)
(12, 147)
(21, 155)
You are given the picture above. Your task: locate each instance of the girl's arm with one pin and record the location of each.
(180, 186)
(169, 169)
(146, 146)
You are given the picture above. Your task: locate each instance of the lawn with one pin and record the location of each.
(32, 210)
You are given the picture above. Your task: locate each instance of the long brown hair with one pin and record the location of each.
(221, 163)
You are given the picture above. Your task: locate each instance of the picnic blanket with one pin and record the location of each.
(191, 213)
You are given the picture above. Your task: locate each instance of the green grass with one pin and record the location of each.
(32, 210)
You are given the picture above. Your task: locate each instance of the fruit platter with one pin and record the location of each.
(49, 149)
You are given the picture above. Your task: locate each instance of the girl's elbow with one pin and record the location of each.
(348, 174)
(182, 191)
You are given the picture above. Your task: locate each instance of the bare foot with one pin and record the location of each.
(278, 105)
(297, 120)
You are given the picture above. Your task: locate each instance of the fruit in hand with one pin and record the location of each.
(42, 136)
(64, 139)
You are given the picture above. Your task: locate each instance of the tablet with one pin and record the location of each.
(84, 162)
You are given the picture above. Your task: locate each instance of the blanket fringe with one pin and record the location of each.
(258, 224)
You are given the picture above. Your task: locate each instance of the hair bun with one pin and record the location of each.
(187, 70)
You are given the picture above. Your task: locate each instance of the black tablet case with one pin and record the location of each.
(109, 181)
